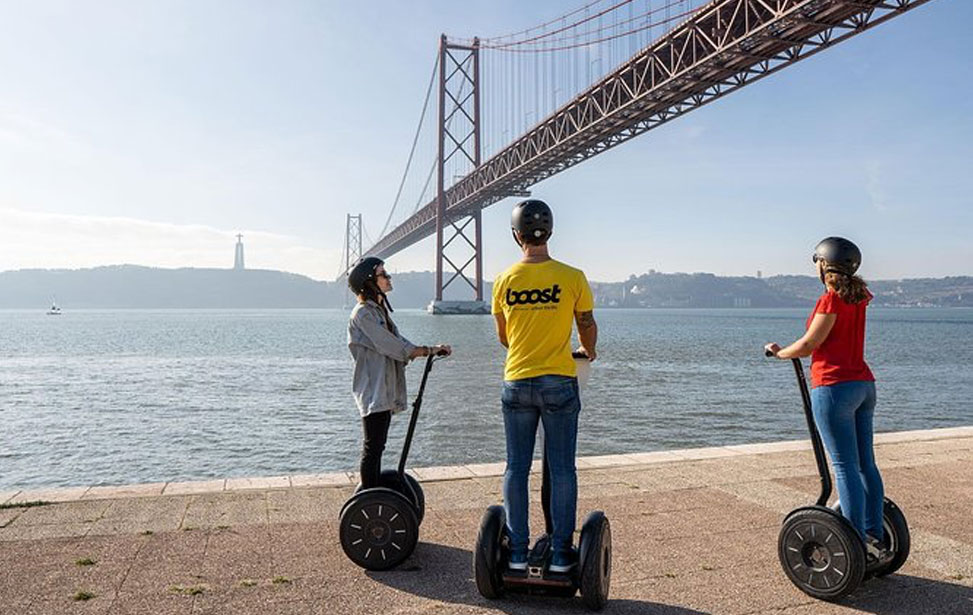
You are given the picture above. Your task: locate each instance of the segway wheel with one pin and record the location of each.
(378, 528)
(821, 553)
(596, 560)
(418, 497)
(489, 557)
(411, 489)
(897, 538)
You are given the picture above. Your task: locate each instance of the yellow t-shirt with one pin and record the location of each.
(538, 301)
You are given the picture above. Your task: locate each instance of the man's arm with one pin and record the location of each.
(587, 332)
(501, 322)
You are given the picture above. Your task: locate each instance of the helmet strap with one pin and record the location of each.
(385, 301)
(516, 238)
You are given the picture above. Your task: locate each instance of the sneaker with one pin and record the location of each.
(561, 562)
(875, 550)
(518, 560)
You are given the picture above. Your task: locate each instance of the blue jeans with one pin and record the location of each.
(843, 413)
(554, 401)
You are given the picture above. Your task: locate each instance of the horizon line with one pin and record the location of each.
(485, 279)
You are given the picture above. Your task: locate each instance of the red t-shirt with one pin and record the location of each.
(841, 357)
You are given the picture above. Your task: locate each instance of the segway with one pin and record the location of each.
(379, 527)
(591, 575)
(819, 550)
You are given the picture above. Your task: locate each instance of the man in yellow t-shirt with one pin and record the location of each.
(535, 302)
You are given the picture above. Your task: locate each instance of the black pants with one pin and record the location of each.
(375, 428)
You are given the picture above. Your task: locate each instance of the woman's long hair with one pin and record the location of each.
(851, 288)
(371, 291)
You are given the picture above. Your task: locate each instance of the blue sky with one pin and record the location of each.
(152, 133)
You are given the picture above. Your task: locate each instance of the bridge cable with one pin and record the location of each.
(541, 46)
(415, 141)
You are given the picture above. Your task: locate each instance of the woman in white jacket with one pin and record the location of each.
(380, 353)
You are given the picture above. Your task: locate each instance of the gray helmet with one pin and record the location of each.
(839, 255)
(533, 220)
(362, 272)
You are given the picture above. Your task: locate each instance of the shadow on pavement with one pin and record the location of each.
(445, 573)
(901, 594)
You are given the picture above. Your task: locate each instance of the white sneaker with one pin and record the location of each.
(561, 562)
(875, 550)
(517, 562)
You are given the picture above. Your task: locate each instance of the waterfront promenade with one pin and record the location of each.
(694, 531)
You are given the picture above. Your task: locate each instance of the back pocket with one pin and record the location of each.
(559, 398)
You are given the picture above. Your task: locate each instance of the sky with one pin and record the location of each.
(152, 133)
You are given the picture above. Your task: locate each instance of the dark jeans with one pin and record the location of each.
(843, 413)
(554, 401)
(375, 428)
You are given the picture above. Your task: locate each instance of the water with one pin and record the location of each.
(115, 397)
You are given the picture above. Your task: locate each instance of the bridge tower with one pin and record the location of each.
(459, 143)
(353, 249)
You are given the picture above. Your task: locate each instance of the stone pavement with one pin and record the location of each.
(694, 531)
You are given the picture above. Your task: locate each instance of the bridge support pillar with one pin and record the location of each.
(353, 252)
(459, 154)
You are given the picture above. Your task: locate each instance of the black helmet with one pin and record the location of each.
(362, 272)
(533, 220)
(839, 255)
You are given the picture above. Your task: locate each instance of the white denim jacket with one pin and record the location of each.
(380, 358)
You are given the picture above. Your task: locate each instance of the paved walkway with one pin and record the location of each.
(694, 532)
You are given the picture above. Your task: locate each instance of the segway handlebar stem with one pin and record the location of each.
(816, 444)
(432, 358)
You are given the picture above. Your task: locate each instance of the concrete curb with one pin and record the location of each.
(443, 473)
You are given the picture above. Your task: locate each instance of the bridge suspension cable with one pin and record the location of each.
(543, 44)
(412, 151)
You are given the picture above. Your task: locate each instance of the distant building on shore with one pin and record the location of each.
(238, 258)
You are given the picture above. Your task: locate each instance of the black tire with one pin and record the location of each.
(378, 528)
(488, 554)
(412, 490)
(418, 497)
(897, 538)
(595, 560)
(821, 553)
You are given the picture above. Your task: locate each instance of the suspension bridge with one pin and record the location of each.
(513, 110)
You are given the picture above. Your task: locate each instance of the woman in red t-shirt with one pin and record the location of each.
(843, 388)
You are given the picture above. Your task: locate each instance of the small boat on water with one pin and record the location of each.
(54, 309)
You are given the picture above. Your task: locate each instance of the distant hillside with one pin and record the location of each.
(697, 290)
(700, 290)
(956, 291)
(130, 286)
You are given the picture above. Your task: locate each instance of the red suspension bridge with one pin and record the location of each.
(516, 109)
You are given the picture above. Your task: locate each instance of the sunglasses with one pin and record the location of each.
(385, 275)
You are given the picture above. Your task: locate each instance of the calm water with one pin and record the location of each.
(111, 397)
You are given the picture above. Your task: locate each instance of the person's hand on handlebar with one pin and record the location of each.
(442, 350)
(591, 354)
(771, 349)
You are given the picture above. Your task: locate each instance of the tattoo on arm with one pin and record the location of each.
(586, 320)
